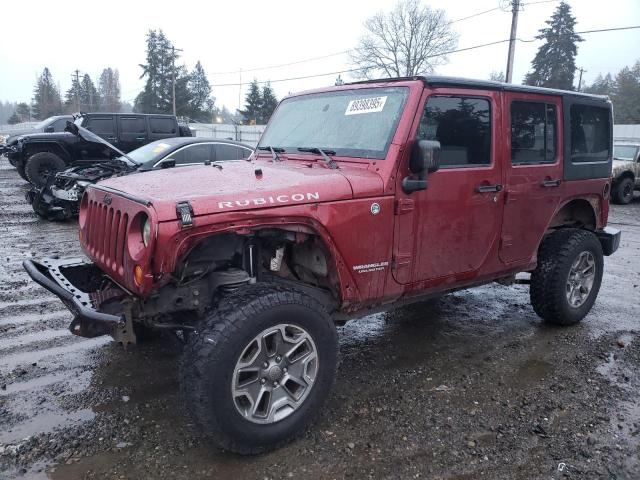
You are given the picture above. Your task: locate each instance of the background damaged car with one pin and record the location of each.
(626, 171)
(59, 199)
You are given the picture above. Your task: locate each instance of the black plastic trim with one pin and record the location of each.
(609, 239)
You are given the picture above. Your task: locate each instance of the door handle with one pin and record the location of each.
(488, 188)
(112, 139)
(141, 138)
(550, 183)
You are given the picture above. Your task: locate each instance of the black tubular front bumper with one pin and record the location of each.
(80, 286)
(609, 239)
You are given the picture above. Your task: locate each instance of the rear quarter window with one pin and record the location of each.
(162, 125)
(589, 134)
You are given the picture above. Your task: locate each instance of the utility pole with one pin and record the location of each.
(515, 7)
(240, 92)
(581, 70)
(173, 75)
(77, 77)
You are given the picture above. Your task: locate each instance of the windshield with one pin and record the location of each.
(149, 152)
(356, 123)
(625, 152)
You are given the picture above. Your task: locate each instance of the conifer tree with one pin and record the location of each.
(269, 103)
(554, 65)
(46, 97)
(252, 112)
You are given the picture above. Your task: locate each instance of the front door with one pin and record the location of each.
(533, 172)
(457, 218)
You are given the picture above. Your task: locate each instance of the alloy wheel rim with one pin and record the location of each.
(274, 374)
(580, 279)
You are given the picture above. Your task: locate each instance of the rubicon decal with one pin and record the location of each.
(271, 200)
(371, 267)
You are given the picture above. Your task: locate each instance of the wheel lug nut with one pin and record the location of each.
(265, 365)
(275, 384)
(278, 358)
(284, 369)
(263, 381)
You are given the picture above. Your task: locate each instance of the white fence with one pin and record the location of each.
(9, 129)
(249, 134)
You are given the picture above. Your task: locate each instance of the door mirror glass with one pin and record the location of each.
(425, 157)
(48, 129)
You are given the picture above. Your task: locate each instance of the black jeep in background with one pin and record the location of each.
(38, 156)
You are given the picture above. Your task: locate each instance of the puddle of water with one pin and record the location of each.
(10, 362)
(75, 382)
(23, 319)
(41, 336)
(45, 423)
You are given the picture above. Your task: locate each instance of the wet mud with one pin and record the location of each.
(468, 386)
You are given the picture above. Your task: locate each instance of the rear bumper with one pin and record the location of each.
(84, 290)
(609, 239)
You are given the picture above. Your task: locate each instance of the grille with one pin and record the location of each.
(105, 236)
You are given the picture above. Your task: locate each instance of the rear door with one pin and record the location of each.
(533, 172)
(162, 127)
(458, 216)
(104, 126)
(132, 132)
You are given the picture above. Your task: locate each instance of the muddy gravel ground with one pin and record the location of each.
(469, 386)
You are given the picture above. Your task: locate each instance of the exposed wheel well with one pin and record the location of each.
(278, 254)
(577, 213)
(625, 174)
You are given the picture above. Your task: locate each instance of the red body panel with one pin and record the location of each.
(445, 237)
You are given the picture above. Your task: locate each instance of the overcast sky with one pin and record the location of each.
(241, 34)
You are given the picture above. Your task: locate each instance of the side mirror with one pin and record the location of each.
(425, 158)
(168, 163)
(48, 129)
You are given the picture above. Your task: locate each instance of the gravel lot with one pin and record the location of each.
(468, 386)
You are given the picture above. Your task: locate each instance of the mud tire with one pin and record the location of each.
(40, 166)
(209, 359)
(556, 255)
(623, 191)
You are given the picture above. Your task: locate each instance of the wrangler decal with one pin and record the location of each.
(296, 197)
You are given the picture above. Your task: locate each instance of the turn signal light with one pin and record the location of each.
(137, 275)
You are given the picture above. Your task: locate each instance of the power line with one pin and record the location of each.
(473, 47)
(344, 52)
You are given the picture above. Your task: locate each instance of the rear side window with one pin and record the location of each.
(533, 133)
(228, 152)
(589, 133)
(162, 125)
(100, 126)
(59, 125)
(132, 125)
(462, 125)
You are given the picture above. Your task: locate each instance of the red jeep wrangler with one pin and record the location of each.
(358, 198)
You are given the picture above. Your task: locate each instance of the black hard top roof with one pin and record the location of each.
(441, 81)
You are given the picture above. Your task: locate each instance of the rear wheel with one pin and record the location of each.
(623, 191)
(260, 367)
(41, 166)
(566, 282)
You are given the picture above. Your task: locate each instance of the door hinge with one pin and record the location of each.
(404, 205)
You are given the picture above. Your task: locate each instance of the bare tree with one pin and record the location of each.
(412, 39)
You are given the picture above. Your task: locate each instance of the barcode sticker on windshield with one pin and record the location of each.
(365, 105)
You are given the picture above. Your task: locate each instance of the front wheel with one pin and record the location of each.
(565, 284)
(260, 367)
(41, 166)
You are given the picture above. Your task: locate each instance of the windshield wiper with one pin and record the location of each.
(274, 152)
(325, 154)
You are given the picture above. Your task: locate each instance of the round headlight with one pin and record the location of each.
(146, 231)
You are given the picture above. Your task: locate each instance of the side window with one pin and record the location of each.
(162, 125)
(132, 125)
(196, 154)
(533, 133)
(226, 152)
(59, 125)
(462, 125)
(589, 134)
(100, 126)
(244, 153)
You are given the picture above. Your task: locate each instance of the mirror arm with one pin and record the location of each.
(410, 185)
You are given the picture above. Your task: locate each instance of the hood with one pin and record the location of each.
(43, 136)
(619, 166)
(16, 133)
(242, 185)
